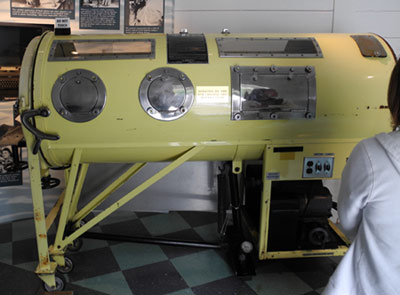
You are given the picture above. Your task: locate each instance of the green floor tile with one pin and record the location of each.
(30, 266)
(22, 230)
(130, 255)
(90, 244)
(208, 232)
(162, 224)
(268, 266)
(112, 283)
(202, 267)
(6, 253)
(182, 292)
(278, 284)
(119, 217)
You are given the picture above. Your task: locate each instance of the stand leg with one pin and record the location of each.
(45, 269)
(239, 241)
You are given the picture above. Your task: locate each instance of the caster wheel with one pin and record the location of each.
(68, 267)
(76, 245)
(60, 285)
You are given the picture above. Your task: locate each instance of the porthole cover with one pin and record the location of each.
(79, 95)
(166, 94)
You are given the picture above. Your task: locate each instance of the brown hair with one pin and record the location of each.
(394, 96)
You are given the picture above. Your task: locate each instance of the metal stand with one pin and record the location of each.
(240, 245)
(52, 257)
(150, 240)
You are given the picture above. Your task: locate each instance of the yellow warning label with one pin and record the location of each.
(212, 94)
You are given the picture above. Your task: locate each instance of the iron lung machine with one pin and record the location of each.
(281, 112)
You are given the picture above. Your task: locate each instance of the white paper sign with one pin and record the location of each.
(212, 94)
(62, 23)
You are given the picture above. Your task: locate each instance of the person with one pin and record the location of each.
(146, 13)
(6, 160)
(106, 2)
(368, 208)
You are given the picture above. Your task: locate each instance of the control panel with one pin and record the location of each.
(318, 167)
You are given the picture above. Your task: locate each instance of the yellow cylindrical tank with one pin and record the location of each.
(130, 98)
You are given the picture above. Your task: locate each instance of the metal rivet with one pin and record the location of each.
(182, 77)
(236, 69)
(273, 116)
(309, 115)
(237, 116)
(151, 111)
(273, 69)
(78, 81)
(308, 69)
(96, 111)
(225, 31)
(149, 77)
(94, 78)
(182, 110)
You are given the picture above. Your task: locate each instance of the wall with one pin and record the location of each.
(254, 16)
(318, 16)
(380, 17)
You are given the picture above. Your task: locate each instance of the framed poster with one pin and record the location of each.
(42, 8)
(144, 16)
(99, 14)
(10, 134)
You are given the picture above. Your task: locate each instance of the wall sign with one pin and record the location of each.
(144, 16)
(99, 14)
(42, 8)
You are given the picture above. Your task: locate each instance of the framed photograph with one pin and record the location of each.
(144, 16)
(42, 8)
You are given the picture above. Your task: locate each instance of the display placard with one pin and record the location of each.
(42, 8)
(99, 14)
(144, 16)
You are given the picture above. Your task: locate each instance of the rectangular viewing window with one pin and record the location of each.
(268, 47)
(62, 50)
(271, 93)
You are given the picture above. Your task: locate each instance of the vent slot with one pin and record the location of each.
(288, 149)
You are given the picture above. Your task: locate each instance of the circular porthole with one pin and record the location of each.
(166, 94)
(79, 95)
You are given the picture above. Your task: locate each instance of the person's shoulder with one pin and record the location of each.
(375, 145)
(374, 141)
(365, 148)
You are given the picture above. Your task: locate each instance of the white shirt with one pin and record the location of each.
(369, 211)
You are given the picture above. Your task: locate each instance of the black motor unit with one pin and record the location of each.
(299, 216)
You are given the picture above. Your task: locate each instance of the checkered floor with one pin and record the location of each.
(103, 267)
